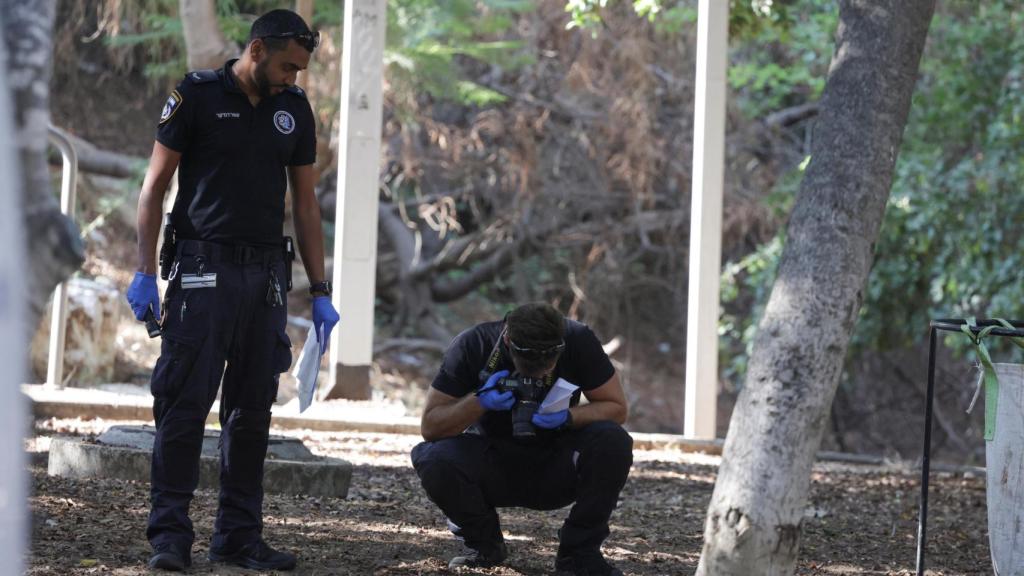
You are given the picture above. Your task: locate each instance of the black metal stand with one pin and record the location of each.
(949, 325)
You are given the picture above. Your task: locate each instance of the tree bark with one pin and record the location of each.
(754, 520)
(14, 527)
(205, 44)
(56, 247)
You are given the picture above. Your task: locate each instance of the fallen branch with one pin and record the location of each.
(789, 116)
(410, 344)
(99, 161)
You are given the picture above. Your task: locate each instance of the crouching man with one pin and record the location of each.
(489, 444)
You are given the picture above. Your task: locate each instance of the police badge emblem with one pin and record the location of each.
(170, 107)
(284, 122)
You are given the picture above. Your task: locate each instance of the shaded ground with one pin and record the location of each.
(860, 520)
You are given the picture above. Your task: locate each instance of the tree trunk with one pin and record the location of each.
(205, 44)
(13, 410)
(753, 524)
(56, 248)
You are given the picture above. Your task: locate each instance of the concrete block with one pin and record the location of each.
(289, 469)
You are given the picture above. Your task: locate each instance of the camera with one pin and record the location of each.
(528, 392)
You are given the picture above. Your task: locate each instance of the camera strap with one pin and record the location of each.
(493, 359)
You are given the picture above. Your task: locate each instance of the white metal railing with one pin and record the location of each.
(58, 317)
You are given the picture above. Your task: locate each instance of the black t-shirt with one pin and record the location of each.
(232, 176)
(583, 363)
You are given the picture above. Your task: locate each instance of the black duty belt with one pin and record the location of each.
(232, 253)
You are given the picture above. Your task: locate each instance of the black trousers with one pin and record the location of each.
(211, 333)
(469, 476)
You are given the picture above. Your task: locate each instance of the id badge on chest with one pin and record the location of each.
(192, 281)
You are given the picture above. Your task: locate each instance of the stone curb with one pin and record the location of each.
(76, 459)
(405, 425)
(410, 426)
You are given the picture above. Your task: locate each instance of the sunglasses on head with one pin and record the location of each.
(537, 352)
(308, 40)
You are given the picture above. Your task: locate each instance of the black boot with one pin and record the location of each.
(481, 559)
(170, 559)
(256, 555)
(584, 563)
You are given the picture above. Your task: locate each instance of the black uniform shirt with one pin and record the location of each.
(583, 363)
(232, 176)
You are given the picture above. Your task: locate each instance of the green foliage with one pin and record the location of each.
(161, 38)
(427, 42)
(746, 17)
(783, 61)
(951, 243)
(779, 49)
(745, 288)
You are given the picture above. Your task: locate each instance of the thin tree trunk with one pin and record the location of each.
(14, 532)
(754, 520)
(56, 247)
(205, 44)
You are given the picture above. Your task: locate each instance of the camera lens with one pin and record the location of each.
(522, 419)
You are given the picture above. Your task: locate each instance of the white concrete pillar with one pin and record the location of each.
(355, 235)
(706, 220)
(13, 347)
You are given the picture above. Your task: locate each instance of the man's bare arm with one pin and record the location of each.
(445, 416)
(162, 164)
(607, 402)
(308, 226)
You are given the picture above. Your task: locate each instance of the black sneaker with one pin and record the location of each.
(257, 556)
(169, 558)
(478, 559)
(585, 564)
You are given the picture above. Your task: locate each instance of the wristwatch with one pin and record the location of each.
(320, 289)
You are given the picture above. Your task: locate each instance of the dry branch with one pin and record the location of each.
(98, 161)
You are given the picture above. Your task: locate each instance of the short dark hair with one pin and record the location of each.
(273, 27)
(536, 325)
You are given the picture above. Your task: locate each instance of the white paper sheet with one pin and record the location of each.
(307, 369)
(558, 397)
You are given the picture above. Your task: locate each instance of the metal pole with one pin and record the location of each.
(706, 220)
(926, 453)
(59, 310)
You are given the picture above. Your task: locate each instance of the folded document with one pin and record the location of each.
(558, 397)
(308, 368)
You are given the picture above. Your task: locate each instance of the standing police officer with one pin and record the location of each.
(481, 452)
(237, 135)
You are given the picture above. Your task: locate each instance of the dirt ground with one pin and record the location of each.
(860, 520)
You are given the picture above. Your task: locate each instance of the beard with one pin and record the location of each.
(263, 84)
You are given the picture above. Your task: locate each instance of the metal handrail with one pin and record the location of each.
(59, 315)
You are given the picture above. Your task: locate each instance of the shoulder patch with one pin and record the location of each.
(297, 91)
(171, 106)
(201, 76)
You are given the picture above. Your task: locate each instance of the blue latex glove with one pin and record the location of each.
(142, 294)
(326, 316)
(551, 421)
(489, 396)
